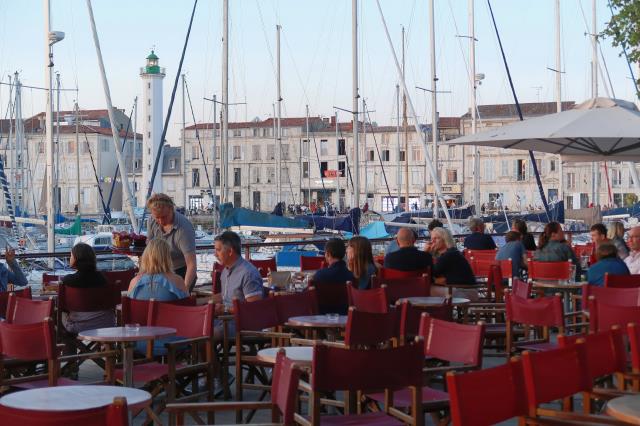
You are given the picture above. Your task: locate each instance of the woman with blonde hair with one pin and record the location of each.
(615, 232)
(360, 261)
(156, 279)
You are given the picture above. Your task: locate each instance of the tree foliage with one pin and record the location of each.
(624, 27)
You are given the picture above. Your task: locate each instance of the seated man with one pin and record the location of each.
(608, 262)
(407, 257)
(336, 270)
(514, 250)
(598, 236)
(239, 279)
(633, 260)
(478, 240)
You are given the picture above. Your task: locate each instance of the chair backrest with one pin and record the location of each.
(284, 386)
(47, 278)
(495, 286)
(405, 287)
(480, 254)
(332, 297)
(603, 316)
(311, 263)
(633, 332)
(396, 368)
(136, 311)
(114, 414)
(4, 298)
(189, 321)
(370, 329)
(91, 299)
(257, 315)
(583, 250)
(541, 311)
(486, 397)
(215, 277)
(551, 271)
(481, 266)
(506, 267)
(120, 278)
(611, 295)
(453, 342)
(521, 288)
(392, 274)
(296, 304)
(374, 300)
(28, 342)
(27, 311)
(554, 374)
(265, 265)
(621, 281)
(605, 351)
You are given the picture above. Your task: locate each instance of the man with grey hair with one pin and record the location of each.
(633, 260)
(478, 240)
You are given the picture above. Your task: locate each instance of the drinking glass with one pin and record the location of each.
(133, 327)
(333, 317)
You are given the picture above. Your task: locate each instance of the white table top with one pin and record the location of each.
(67, 398)
(125, 334)
(302, 355)
(625, 408)
(435, 301)
(318, 321)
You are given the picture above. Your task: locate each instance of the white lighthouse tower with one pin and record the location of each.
(152, 76)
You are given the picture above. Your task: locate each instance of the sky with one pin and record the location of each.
(316, 54)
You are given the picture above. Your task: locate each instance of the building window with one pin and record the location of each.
(255, 153)
(305, 169)
(616, 178)
(148, 135)
(271, 152)
(341, 168)
(371, 155)
(71, 147)
(217, 177)
(324, 166)
(148, 85)
(324, 147)
(305, 148)
(402, 156)
(285, 152)
(271, 174)
(416, 177)
(255, 175)
(265, 132)
(504, 168)
(386, 155)
(172, 163)
(148, 101)
(149, 118)
(416, 153)
(255, 132)
(521, 170)
(40, 147)
(236, 152)
(284, 175)
(552, 165)
(195, 177)
(136, 165)
(451, 152)
(237, 133)
(217, 152)
(452, 176)
(571, 180)
(342, 147)
(237, 177)
(195, 152)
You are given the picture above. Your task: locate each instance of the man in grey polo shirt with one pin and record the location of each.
(166, 223)
(239, 278)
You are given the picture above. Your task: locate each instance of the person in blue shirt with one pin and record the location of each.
(478, 240)
(608, 262)
(13, 274)
(514, 250)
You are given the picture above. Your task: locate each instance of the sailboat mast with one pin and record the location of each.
(224, 157)
(11, 143)
(472, 81)
(215, 171)
(338, 164)
(49, 126)
(594, 94)
(308, 157)
(366, 156)
(406, 136)
(398, 143)
(58, 199)
(135, 143)
(558, 72)
(278, 125)
(184, 146)
(354, 67)
(128, 202)
(77, 119)
(20, 142)
(434, 100)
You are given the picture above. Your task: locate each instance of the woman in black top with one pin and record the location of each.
(450, 265)
(527, 239)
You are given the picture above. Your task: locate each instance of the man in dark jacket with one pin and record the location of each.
(407, 257)
(478, 240)
(336, 270)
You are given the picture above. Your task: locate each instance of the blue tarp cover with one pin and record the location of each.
(348, 223)
(238, 216)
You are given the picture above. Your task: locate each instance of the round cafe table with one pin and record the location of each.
(433, 301)
(625, 408)
(71, 398)
(127, 336)
(318, 321)
(301, 355)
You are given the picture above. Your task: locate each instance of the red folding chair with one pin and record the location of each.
(114, 414)
(332, 297)
(481, 266)
(394, 274)
(136, 311)
(486, 397)
(558, 375)
(536, 317)
(284, 394)
(506, 267)
(216, 285)
(495, 285)
(4, 298)
(121, 279)
(194, 328)
(621, 281)
(338, 369)
(27, 311)
(549, 271)
(79, 299)
(411, 315)
(265, 265)
(374, 300)
(371, 329)
(404, 287)
(296, 304)
(311, 263)
(480, 254)
(603, 316)
(521, 288)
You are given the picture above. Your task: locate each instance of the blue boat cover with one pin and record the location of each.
(347, 223)
(239, 216)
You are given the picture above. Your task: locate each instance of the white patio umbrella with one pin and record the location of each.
(599, 129)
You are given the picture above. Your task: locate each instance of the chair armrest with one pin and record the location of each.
(296, 341)
(176, 343)
(267, 334)
(220, 406)
(304, 386)
(90, 355)
(225, 317)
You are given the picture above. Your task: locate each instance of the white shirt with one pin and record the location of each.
(633, 262)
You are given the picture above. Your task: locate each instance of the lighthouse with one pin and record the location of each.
(152, 77)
